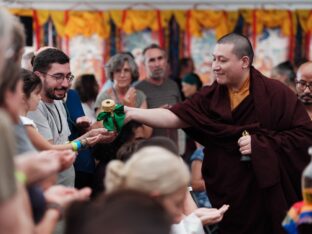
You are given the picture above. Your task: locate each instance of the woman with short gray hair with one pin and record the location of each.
(123, 71)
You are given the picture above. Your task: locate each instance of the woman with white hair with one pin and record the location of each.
(164, 176)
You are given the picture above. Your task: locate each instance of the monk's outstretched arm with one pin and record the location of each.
(156, 118)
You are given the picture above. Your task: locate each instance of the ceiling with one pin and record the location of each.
(159, 4)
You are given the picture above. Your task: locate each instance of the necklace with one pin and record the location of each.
(59, 118)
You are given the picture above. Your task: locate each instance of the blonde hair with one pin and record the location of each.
(151, 169)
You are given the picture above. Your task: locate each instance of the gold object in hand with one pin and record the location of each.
(245, 133)
(108, 105)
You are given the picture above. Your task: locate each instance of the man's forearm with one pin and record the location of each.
(156, 118)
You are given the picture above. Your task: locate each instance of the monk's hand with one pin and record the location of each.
(244, 144)
(128, 111)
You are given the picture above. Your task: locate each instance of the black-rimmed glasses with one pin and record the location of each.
(61, 77)
(302, 84)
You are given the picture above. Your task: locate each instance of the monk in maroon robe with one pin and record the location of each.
(261, 190)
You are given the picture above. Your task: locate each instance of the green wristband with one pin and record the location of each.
(21, 177)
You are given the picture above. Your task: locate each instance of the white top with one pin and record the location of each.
(28, 122)
(191, 224)
(89, 111)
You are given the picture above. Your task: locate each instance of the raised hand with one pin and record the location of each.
(130, 97)
(211, 215)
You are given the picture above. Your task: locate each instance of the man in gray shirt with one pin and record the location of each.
(159, 90)
(52, 66)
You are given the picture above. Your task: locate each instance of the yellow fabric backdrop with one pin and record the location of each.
(271, 19)
(89, 22)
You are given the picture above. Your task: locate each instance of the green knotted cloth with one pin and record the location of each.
(115, 121)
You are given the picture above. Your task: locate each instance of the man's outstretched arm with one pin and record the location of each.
(156, 118)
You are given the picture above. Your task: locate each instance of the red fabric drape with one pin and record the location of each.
(254, 29)
(291, 38)
(66, 18)
(188, 33)
(160, 30)
(37, 29)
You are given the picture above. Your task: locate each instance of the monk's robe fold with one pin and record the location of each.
(260, 191)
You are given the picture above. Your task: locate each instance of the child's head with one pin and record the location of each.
(32, 88)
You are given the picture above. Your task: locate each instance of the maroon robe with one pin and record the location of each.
(261, 191)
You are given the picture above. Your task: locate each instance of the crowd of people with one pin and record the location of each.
(235, 168)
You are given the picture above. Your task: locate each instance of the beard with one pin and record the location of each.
(157, 74)
(306, 99)
(50, 92)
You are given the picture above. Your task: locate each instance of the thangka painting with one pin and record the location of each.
(201, 51)
(271, 49)
(87, 56)
(135, 43)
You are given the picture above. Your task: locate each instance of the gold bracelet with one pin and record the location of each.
(84, 143)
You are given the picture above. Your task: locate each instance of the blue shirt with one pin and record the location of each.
(84, 161)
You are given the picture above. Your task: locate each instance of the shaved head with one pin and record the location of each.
(304, 83)
(242, 46)
(304, 70)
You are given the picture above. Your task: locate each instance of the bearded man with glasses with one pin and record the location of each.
(304, 86)
(53, 68)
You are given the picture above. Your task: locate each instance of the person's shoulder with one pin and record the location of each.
(171, 83)
(40, 113)
(105, 94)
(27, 121)
(59, 103)
(140, 93)
(72, 92)
(272, 87)
(141, 84)
(277, 87)
(208, 90)
(41, 107)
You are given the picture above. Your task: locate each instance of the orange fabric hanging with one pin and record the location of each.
(208, 19)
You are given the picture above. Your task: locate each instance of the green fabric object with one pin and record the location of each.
(115, 122)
